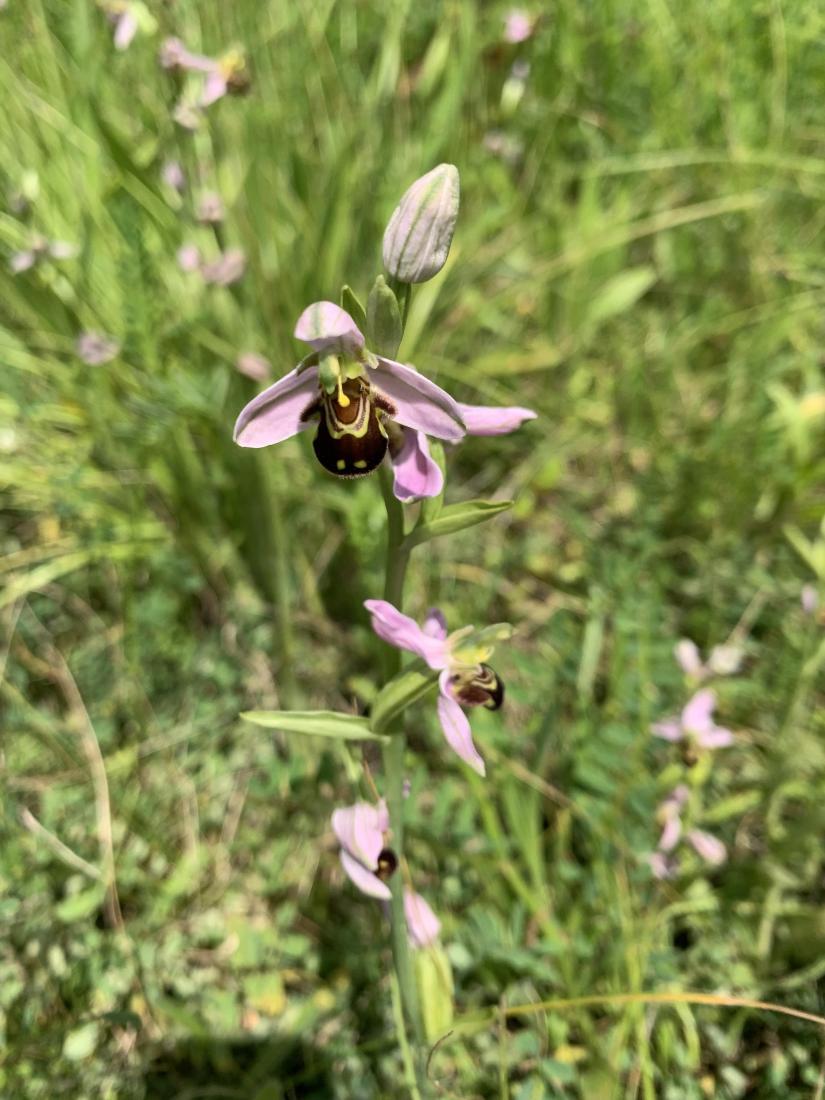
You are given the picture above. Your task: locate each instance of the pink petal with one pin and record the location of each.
(415, 473)
(22, 261)
(435, 624)
(405, 633)
(420, 404)
(660, 865)
(214, 88)
(125, 30)
(696, 716)
(327, 327)
(359, 831)
(518, 26)
(189, 258)
(670, 730)
(365, 880)
(717, 737)
(489, 420)
(670, 833)
(227, 269)
(275, 414)
(422, 923)
(709, 848)
(688, 659)
(809, 598)
(456, 727)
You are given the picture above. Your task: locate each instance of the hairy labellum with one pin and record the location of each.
(483, 690)
(351, 440)
(387, 864)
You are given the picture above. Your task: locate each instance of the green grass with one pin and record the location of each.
(646, 271)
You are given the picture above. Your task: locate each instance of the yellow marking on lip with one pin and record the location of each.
(343, 400)
(341, 464)
(360, 464)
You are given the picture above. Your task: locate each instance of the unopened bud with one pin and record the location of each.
(420, 231)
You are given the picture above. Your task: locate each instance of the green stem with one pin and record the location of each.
(396, 568)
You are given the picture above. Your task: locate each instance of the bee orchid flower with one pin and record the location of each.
(364, 856)
(465, 680)
(350, 393)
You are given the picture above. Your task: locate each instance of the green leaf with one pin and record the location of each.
(81, 1042)
(350, 302)
(80, 906)
(401, 692)
(321, 723)
(434, 978)
(455, 517)
(620, 293)
(384, 327)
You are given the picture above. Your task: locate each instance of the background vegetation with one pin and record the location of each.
(639, 258)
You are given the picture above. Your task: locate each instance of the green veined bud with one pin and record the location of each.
(420, 231)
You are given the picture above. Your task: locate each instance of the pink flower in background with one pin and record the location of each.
(518, 26)
(210, 209)
(724, 660)
(365, 858)
(173, 176)
(40, 249)
(422, 923)
(696, 724)
(416, 474)
(253, 366)
(95, 348)
(809, 599)
(465, 680)
(227, 269)
(708, 847)
(348, 391)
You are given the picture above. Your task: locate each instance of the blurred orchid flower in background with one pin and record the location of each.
(254, 366)
(724, 660)
(210, 209)
(127, 17)
(518, 26)
(224, 75)
(173, 176)
(465, 681)
(708, 847)
(41, 249)
(696, 724)
(228, 268)
(95, 348)
(348, 391)
(809, 599)
(365, 858)
(422, 923)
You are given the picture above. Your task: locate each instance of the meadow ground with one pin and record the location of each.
(638, 258)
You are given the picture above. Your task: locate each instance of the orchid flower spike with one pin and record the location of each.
(465, 681)
(423, 925)
(349, 392)
(365, 857)
(416, 474)
(695, 724)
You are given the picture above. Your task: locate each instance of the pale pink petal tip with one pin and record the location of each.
(687, 657)
(493, 420)
(275, 414)
(422, 923)
(419, 403)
